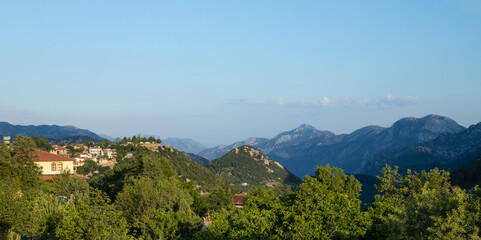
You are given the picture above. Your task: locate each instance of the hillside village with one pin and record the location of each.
(70, 157)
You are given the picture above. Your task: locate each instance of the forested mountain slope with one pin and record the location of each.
(247, 166)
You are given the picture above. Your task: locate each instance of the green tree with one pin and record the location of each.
(42, 143)
(68, 186)
(259, 219)
(326, 206)
(105, 143)
(17, 163)
(23, 148)
(422, 206)
(91, 167)
(39, 216)
(158, 208)
(93, 218)
(10, 205)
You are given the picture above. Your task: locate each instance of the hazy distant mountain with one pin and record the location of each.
(108, 137)
(289, 138)
(48, 131)
(352, 151)
(183, 144)
(247, 166)
(301, 149)
(447, 151)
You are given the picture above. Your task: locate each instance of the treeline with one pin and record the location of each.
(145, 197)
(139, 139)
(326, 206)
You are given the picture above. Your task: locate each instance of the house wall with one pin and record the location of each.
(47, 167)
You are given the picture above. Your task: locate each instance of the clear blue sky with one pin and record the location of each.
(222, 71)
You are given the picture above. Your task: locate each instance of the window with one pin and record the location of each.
(54, 166)
(60, 166)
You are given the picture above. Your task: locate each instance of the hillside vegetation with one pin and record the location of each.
(247, 166)
(145, 197)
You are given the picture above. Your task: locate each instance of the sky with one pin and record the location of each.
(223, 71)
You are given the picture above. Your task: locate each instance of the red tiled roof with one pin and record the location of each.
(239, 199)
(60, 148)
(48, 157)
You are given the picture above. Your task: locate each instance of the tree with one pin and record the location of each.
(68, 186)
(93, 218)
(42, 143)
(158, 208)
(17, 163)
(10, 205)
(23, 148)
(105, 143)
(422, 206)
(39, 216)
(326, 206)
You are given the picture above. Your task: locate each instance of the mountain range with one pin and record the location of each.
(301, 149)
(414, 143)
(447, 151)
(48, 131)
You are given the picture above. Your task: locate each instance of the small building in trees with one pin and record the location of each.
(6, 140)
(95, 151)
(59, 150)
(239, 200)
(52, 164)
(79, 146)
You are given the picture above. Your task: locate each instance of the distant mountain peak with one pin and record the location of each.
(70, 127)
(433, 123)
(305, 126)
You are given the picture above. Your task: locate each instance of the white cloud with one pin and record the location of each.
(324, 101)
(387, 101)
(383, 102)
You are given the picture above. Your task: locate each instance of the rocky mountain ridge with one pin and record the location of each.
(301, 149)
(447, 151)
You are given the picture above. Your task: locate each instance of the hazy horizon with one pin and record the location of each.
(225, 71)
(236, 140)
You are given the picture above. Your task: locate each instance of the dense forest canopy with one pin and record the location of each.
(154, 196)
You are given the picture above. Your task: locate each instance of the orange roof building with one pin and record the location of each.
(239, 200)
(52, 164)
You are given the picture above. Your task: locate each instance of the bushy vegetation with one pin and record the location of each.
(144, 198)
(90, 167)
(246, 166)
